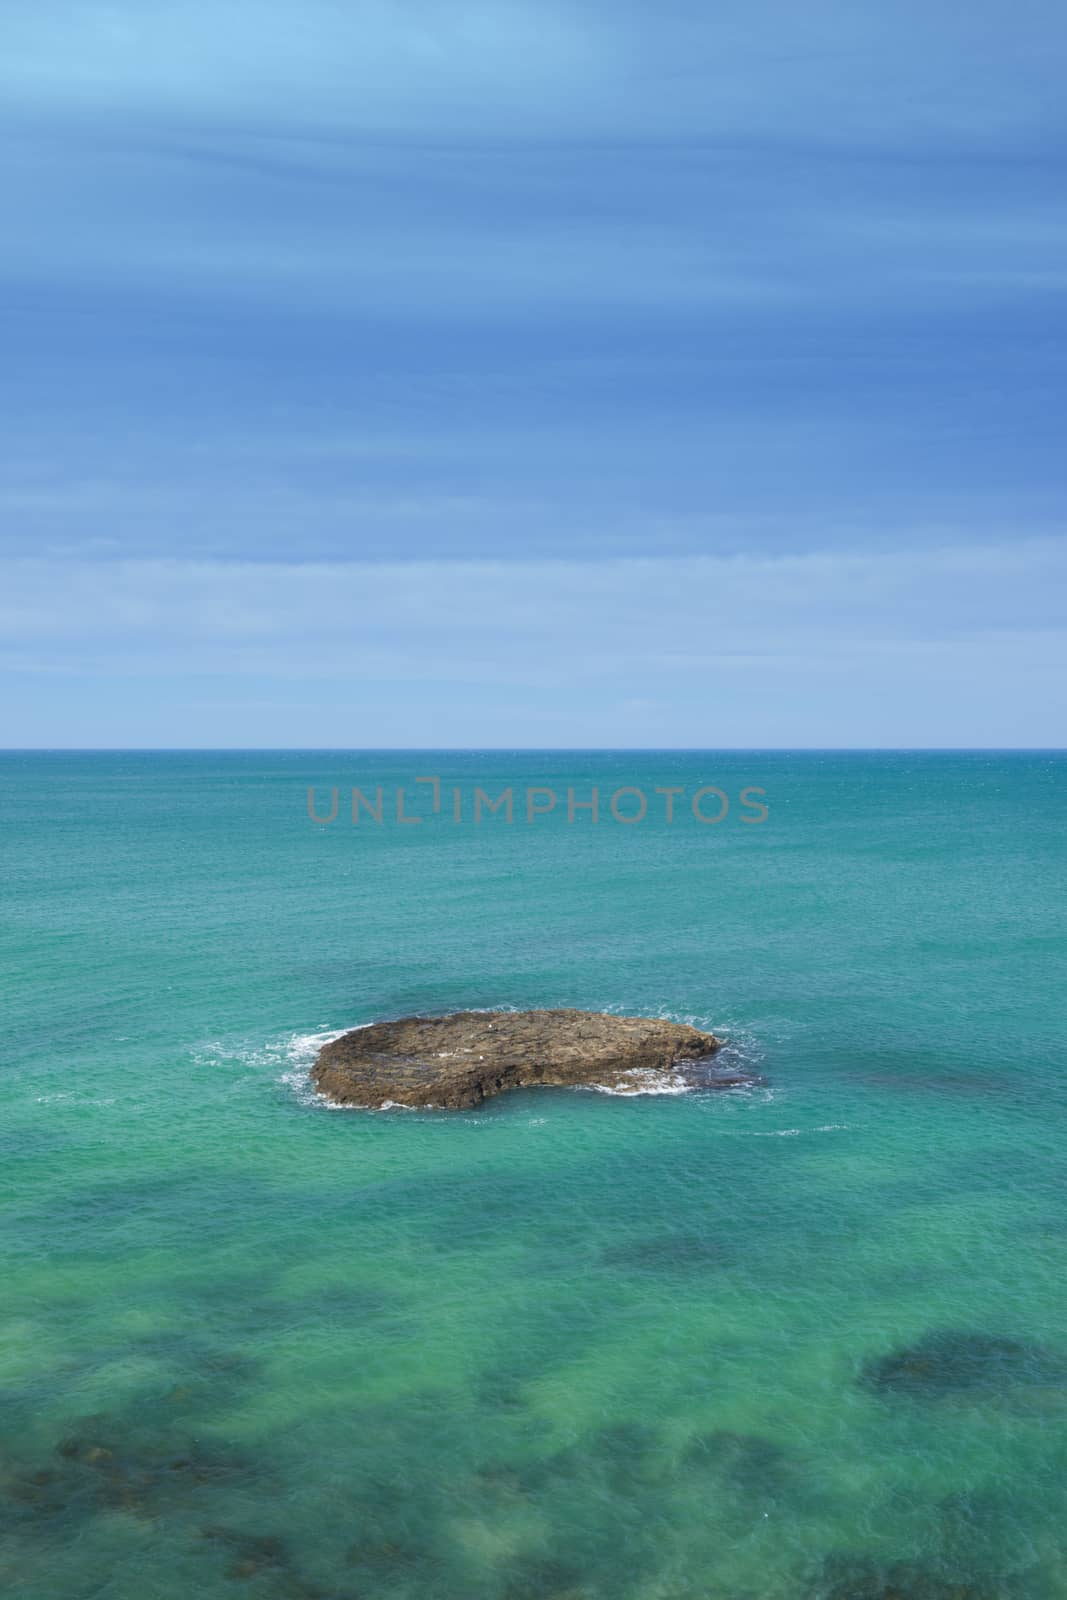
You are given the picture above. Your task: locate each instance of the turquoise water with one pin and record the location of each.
(803, 1340)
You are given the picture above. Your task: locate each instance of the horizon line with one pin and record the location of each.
(425, 749)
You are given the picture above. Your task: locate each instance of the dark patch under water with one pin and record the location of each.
(668, 1252)
(103, 1467)
(544, 1578)
(951, 1361)
(107, 1465)
(614, 1457)
(251, 1554)
(755, 1464)
(846, 1577)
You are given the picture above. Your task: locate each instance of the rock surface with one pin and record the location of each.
(460, 1060)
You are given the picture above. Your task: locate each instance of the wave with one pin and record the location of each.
(645, 1080)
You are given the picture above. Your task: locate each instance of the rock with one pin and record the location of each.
(458, 1061)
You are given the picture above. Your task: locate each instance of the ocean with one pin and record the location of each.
(803, 1340)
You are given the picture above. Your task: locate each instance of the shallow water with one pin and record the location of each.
(804, 1340)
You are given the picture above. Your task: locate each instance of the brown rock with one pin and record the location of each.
(460, 1060)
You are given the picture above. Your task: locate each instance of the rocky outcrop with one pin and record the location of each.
(460, 1060)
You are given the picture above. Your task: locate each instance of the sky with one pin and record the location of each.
(396, 373)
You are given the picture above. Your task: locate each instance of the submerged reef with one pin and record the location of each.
(950, 1361)
(861, 1578)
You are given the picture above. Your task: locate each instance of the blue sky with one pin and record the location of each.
(508, 374)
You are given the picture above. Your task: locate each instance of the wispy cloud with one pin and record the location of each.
(831, 70)
(882, 639)
(715, 603)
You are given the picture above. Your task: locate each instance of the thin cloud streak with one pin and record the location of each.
(415, 619)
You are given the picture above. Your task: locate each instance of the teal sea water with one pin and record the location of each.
(795, 1341)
